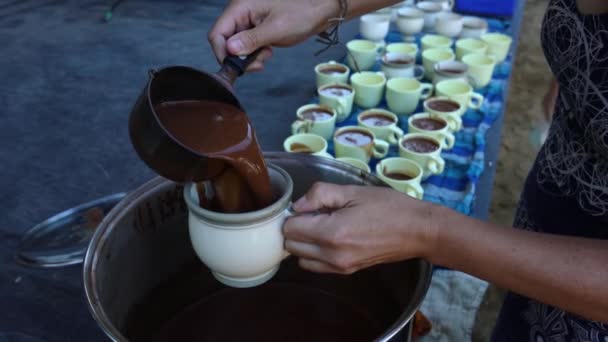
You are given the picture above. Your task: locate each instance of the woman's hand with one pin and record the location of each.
(247, 25)
(358, 227)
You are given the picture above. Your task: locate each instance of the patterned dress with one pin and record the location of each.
(566, 191)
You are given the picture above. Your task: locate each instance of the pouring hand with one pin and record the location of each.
(359, 227)
(247, 25)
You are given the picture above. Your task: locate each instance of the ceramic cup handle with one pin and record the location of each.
(449, 140)
(300, 126)
(380, 148)
(476, 101)
(418, 72)
(395, 135)
(289, 212)
(454, 123)
(427, 90)
(342, 106)
(414, 190)
(436, 164)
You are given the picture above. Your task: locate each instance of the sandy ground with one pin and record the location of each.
(531, 76)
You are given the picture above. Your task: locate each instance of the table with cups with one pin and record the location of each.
(423, 85)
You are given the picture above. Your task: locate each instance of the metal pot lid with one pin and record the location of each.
(63, 239)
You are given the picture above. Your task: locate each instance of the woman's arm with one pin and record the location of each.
(365, 226)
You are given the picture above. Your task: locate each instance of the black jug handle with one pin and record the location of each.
(238, 64)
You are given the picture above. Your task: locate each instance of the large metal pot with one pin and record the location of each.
(140, 269)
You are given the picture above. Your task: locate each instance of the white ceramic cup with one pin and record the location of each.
(498, 45)
(465, 46)
(342, 104)
(410, 21)
(446, 5)
(451, 70)
(408, 48)
(431, 9)
(312, 142)
(361, 165)
(241, 250)
(431, 57)
(453, 117)
(374, 26)
(361, 54)
(400, 165)
(331, 72)
(435, 41)
(431, 162)
(473, 27)
(442, 133)
(369, 88)
(324, 128)
(448, 24)
(461, 92)
(481, 68)
(404, 94)
(395, 64)
(389, 132)
(377, 148)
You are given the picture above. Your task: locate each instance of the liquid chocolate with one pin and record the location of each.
(333, 71)
(398, 175)
(223, 133)
(444, 105)
(377, 120)
(355, 138)
(420, 145)
(428, 124)
(300, 148)
(315, 114)
(335, 91)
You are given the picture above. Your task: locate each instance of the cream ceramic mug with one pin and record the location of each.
(404, 94)
(307, 143)
(461, 92)
(498, 45)
(430, 160)
(361, 54)
(374, 26)
(431, 57)
(467, 46)
(338, 96)
(331, 73)
(356, 163)
(395, 64)
(435, 41)
(434, 126)
(246, 249)
(359, 143)
(369, 88)
(401, 174)
(481, 68)
(448, 24)
(408, 48)
(382, 123)
(447, 109)
(315, 119)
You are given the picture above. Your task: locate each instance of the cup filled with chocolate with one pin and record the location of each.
(331, 72)
(403, 175)
(461, 92)
(424, 150)
(315, 119)
(359, 143)
(338, 96)
(382, 123)
(396, 64)
(308, 144)
(445, 108)
(432, 125)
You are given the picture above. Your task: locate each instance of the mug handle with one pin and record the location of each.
(418, 72)
(395, 135)
(427, 90)
(436, 164)
(454, 124)
(476, 101)
(449, 139)
(342, 106)
(289, 212)
(300, 126)
(380, 148)
(414, 190)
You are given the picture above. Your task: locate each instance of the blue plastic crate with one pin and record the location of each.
(498, 8)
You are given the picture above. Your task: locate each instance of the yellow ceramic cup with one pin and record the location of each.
(498, 45)
(405, 167)
(307, 143)
(375, 148)
(466, 46)
(389, 132)
(369, 88)
(356, 163)
(481, 68)
(324, 128)
(442, 133)
(409, 48)
(453, 117)
(431, 162)
(434, 41)
(461, 92)
(404, 94)
(341, 103)
(361, 54)
(432, 56)
(330, 73)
